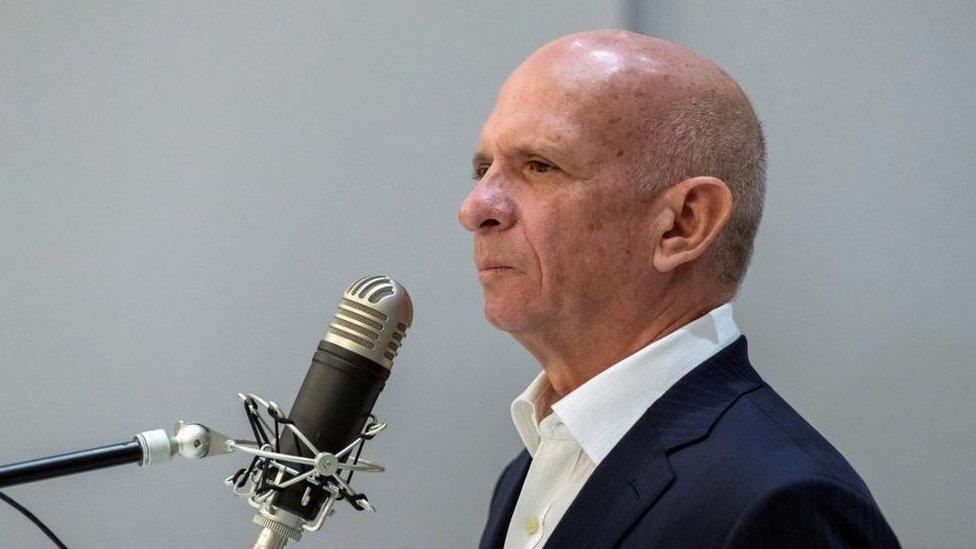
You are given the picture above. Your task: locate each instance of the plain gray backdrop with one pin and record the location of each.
(186, 188)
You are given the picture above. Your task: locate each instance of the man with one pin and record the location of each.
(619, 187)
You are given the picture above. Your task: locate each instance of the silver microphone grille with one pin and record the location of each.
(372, 319)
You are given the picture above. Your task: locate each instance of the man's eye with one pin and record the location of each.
(479, 171)
(539, 166)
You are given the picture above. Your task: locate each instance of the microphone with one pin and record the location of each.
(349, 369)
(295, 476)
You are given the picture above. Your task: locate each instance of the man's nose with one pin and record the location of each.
(487, 207)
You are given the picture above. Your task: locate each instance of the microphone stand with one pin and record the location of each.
(71, 463)
(191, 440)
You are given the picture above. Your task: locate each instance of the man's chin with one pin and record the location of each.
(510, 318)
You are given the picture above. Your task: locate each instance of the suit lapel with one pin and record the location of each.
(626, 484)
(620, 490)
(503, 502)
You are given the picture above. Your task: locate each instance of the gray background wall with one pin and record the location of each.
(186, 189)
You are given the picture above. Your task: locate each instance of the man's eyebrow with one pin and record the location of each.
(480, 158)
(525, 151)
(520, 151)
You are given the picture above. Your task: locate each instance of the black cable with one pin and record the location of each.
(33, 519)
(359, 452)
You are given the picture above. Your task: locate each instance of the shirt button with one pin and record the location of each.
(531, 526)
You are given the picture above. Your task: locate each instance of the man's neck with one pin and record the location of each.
(571, 356)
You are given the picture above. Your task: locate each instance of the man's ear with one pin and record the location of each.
(692, 214)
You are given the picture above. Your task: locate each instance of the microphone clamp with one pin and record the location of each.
(265, 477)
(190, 440)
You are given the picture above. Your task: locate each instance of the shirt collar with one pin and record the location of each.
(528, 410)
(601, 411)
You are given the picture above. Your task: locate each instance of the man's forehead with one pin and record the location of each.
(567, 125)
(530, 125)
(590, 94)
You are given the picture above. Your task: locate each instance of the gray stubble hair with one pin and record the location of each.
(719, 137)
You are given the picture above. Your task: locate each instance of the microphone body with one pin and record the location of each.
(349, 370)
(331, 409)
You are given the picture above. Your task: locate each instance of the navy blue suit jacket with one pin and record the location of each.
(720, 460)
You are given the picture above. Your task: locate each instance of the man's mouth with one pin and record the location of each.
(489, 271)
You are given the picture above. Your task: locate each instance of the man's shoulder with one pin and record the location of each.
(761, 445)
(762, 467)
(800, 448)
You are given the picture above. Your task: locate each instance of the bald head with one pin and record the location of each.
(667, 113)
(614, 182)
(621, 60)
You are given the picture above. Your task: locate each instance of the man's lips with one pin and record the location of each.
(492, 266)
(489, 270)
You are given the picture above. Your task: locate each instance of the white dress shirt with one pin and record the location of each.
(568, 444)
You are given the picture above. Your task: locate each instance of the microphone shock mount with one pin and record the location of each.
(323, 474)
